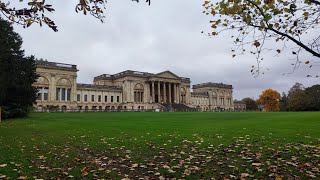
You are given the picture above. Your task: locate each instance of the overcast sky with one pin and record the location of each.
(165, 36)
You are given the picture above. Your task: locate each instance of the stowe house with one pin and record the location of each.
(127, 90)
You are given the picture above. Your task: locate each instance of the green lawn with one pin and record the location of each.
(161, 145)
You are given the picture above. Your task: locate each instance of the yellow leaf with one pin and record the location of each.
(22, 178)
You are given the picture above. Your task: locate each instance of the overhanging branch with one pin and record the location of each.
(291, 38)
(315, 2)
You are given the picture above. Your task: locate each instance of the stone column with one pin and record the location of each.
(141, 96)
(132, 90)
(153, 93)
(174, 93)
(146, 93)
(159, 94)
(42, 94)
(164, 93)
(66, 94)
(188, 95)
(52, 88)
(170, 93)
(231, 99)
(179, 93)
(73, 93)
(225, 100)
(60, 95)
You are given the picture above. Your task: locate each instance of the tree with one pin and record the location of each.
(256, 22)
(284, 102)
(17, 74)
(35, 11)
(313, 98)
(270, 99)
(297, 98)
(250, 104)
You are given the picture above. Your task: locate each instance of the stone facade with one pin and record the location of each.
(212, 96)
(130, 90)
(240, 106)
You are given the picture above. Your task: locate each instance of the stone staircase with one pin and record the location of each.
(177, 107)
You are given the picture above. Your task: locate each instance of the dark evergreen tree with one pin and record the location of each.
(297, 98)
(250, 104)
(17, 74)
(313, 98)
(284, 102)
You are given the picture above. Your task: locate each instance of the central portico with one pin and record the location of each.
(164, 92)
(165, 87)
(142, 87)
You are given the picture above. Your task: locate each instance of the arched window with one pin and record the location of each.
(42, 85)
(63, 90)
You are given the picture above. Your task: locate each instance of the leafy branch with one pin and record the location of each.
(275, 20)
(36, 11)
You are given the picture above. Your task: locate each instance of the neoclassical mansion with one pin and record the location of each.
(128, 90)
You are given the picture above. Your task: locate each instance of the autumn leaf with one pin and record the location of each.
(256, 43)
(22, 178)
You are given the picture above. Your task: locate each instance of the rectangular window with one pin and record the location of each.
(85, 98)
(92, 98)
(111, 98)
(118, 99)
(39, 94)
(68, 94)
(105, 98)
(63, 94)
(78, 97)
(99, 98)
(45, 94)
(58, 94)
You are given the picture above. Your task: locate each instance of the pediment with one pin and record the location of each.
(167, 74)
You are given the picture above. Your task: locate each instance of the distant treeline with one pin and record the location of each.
(298, 98)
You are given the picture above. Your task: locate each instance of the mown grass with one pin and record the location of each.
(81, 145)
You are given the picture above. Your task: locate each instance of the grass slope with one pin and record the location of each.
(159, 145)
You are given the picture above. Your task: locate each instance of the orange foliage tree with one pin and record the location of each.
(270, 99)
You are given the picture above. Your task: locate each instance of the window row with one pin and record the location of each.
(62, 94)
(43, 93)
(215, 101)
(93, 99)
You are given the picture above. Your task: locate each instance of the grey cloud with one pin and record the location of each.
(164, 36)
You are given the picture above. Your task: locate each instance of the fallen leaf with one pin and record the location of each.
(22, 178)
